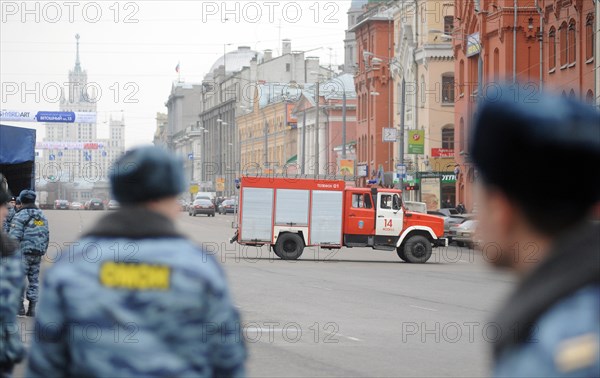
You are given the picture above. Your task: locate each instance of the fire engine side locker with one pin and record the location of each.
(271, 206)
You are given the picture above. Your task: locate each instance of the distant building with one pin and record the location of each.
(350, 53)
(75, 163)
(229, 91)
(374, 40)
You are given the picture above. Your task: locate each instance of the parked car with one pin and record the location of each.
(228, 206)
(416, 207)
(448, 212)
(113, 205)
(96, 204)
(183, 204)
(76, 206)
(464, 234)
(455, 220)
(202, 206)
(61, 205)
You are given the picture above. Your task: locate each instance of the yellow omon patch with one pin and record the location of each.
(135, 276)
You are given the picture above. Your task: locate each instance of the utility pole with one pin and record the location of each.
(317, 162)
(344, 124)
(303, 141)
(401, 144)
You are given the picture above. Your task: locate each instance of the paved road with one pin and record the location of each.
(351, 313)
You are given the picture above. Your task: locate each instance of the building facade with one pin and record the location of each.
(268, 133)
(567, 47)
(374, 90)
(546, 43)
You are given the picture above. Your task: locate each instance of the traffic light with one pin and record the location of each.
(410, 187)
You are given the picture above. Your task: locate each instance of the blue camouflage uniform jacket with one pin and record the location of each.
(11, 213)
(135, 299)
(29, 227)
(11, 284)
(551, 324)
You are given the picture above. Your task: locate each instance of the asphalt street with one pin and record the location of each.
(351, 313)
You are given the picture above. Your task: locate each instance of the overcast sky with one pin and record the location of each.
(130, 49)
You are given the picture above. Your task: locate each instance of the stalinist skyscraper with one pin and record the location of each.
(85, 167)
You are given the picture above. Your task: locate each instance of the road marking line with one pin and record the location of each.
(463, 261)
(423, 308)
(352, 338)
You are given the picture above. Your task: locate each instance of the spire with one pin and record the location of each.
(77, 63)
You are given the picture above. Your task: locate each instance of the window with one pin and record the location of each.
(496, 65)
(589, 97)
(552, 48)
(288, 67)
(461, 134)
(448, 24)
(448, 137)
(386, 201)
(448, 88)
(572, 43)
(590, 37)
(461, 77)
(563, 44)
(361, 201)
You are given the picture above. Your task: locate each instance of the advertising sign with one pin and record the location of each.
(291, 121)
(442, 152)
(362, 170)
(416, 142)
(45, 116)
(430, 192)
(68, 146)
(347, 167)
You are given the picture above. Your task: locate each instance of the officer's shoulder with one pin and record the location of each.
(570, 331)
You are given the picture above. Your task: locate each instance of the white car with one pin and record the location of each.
(76, 206)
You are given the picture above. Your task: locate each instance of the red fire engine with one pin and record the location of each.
(290, 214)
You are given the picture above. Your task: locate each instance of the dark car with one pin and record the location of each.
(61, 205)
(448, 212)
(202, 206)
(96, 204)
(227, 206)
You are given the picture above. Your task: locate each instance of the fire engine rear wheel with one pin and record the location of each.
(417, 249)
(289, 246)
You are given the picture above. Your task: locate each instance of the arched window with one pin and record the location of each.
(563, 44)
(590, 37)
(461, 77)
(448, 137)
(572, 44)
(572, 94)
(496, 64)
(552, 48)
(461, 134)
(448, 88)
(589, 97)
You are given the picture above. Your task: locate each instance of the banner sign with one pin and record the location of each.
(362, 170)
(347, 167)
(68, 146)
(442, 152)
(44, 116)
(416, 142)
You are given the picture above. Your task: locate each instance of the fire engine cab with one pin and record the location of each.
(291, 213)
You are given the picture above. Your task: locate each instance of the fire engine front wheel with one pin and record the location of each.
(289, 246)
(417, 249)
